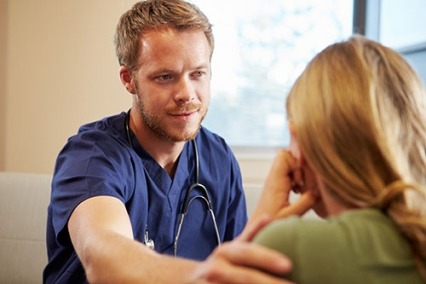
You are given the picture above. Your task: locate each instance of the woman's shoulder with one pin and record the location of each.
(353, 222)
(341, 247)
(286, 231)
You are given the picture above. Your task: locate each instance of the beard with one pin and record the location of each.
(162, 129)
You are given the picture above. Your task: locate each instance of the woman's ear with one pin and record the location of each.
(127, 79)
(294, 145)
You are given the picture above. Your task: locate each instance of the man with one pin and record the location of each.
(121, 183)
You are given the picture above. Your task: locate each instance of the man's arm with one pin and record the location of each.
(102, 236)
(101, 233)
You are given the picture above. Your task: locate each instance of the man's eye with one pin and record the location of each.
(164, 77)
(197, 74)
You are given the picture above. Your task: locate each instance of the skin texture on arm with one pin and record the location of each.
(102, 236)
(101, 233)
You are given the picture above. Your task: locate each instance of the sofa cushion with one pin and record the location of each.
(24, 199)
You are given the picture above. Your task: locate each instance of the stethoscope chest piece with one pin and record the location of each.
(149, 242)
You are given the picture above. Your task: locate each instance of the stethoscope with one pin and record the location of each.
(188, 199)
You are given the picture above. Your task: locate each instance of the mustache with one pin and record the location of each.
(185, 108)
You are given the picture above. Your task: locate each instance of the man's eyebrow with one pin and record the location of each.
(162, 70)
(202, 66)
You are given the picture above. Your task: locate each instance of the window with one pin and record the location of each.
(399, 25)
(261, 47)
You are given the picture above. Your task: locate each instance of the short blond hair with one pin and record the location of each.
(155, 14)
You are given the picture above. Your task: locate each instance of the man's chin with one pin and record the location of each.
(184, 136)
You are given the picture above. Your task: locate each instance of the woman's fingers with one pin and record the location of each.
(303, 204)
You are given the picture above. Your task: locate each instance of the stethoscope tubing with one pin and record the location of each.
(187, 200)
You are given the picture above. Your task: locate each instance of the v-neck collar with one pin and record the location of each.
(159, 175)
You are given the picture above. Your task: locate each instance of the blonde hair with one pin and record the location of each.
(359, 111)
(156, 14)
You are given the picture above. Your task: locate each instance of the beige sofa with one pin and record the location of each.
(24, 199)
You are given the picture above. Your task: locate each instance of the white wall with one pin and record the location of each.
(3, 29)
(61, 71)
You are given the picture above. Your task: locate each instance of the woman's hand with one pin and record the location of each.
(285, 176)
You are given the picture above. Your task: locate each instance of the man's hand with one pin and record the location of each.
(240, 261)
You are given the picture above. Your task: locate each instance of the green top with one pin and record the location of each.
(358, 246)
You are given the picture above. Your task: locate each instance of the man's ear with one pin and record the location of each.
(127, 79)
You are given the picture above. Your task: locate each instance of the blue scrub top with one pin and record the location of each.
(100, 161)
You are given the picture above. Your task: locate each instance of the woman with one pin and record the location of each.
(357, 118)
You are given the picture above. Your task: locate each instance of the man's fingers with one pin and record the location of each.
(270, 265)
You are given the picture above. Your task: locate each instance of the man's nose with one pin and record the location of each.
(185, 90)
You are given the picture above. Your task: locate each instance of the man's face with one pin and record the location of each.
(172, 84)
